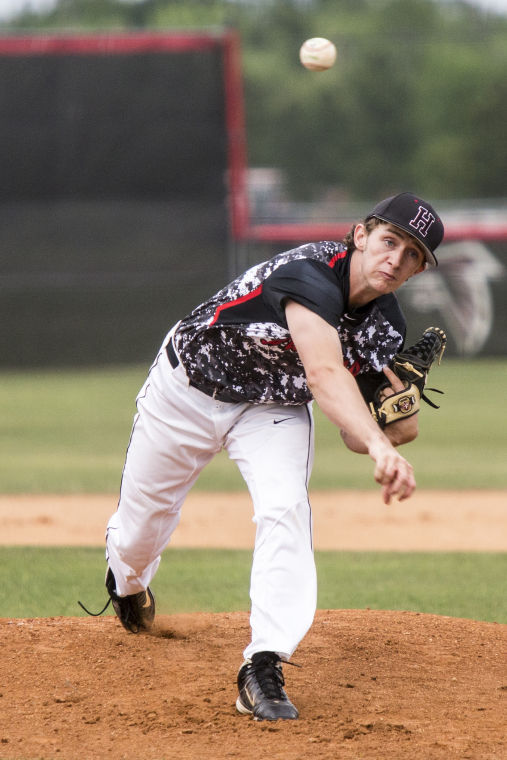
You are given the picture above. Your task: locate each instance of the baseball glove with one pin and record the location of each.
(411, 366)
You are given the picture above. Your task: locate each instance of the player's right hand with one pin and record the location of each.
(392, 471)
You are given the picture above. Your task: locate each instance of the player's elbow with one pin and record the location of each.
(353, 443)
(408, 436)
(404, 431)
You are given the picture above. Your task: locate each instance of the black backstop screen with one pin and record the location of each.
(121, 167)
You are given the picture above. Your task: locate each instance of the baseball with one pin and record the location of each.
(317, 54)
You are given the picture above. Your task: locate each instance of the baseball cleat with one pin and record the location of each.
(261, 694)
(136, 611)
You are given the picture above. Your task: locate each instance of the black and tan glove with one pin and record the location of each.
(411, 366)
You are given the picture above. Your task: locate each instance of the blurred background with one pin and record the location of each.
(152, 149)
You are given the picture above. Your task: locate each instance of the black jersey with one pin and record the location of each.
(238, 342)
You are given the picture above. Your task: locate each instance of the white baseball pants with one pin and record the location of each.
(177, 431)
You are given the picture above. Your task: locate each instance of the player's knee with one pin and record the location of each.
(290, 522)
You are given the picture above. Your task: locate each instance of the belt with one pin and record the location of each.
(216, 393)
(172, 355)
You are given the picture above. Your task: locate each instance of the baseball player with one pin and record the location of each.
(319, 322)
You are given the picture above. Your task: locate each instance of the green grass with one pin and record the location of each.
(46, 582)
(67, 431)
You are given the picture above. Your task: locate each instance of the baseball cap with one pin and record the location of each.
(415, 216)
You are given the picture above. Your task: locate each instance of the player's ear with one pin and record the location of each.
(421, 268)
(360, 236)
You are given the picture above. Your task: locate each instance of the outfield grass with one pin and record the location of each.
(67, 431)
(46, 582)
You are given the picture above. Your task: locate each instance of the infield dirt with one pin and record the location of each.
(348, 520)
(372, 684)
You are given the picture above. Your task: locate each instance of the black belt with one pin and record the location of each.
(215, 393)
(172, 355)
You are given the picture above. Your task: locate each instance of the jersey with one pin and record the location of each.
(238, 342)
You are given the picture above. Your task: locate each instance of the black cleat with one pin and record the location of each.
(136, 611)
(261, 694)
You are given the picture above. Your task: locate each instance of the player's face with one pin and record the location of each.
(389, 256)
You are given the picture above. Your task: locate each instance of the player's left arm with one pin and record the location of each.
(394, 403)
(399, 432)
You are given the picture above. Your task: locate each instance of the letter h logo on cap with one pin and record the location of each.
(422, 221)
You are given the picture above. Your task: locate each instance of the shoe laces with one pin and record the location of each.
(95, 614)
(269, 675)
(129, 606)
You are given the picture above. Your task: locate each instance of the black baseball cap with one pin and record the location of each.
(415, 216)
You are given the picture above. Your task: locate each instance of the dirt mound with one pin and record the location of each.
(372, 685)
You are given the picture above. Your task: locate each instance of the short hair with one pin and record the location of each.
(370, 225)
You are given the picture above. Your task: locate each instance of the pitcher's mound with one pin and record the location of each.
(372, 685)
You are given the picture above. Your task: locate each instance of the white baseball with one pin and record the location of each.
(317, 54)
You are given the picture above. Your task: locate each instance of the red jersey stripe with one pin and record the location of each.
(242, 299)
(340, 255)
